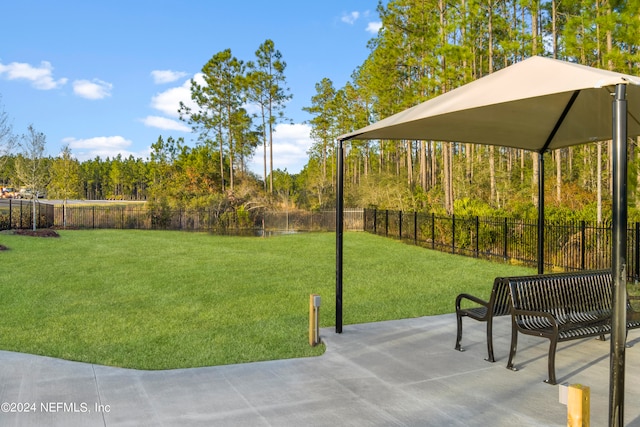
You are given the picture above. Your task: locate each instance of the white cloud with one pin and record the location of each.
(374, 27)
(165, 123)
(103, 146)
(291, 142)
(98, 142)
(166, 76)
(94, 89)
(252, 108)
(168, 102)
(40, 77)
(350, 18)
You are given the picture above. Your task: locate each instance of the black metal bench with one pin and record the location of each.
(499, 304)
(562, 307)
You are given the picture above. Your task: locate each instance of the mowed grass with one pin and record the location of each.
(163, 299)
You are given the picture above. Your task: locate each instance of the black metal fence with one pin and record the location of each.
(313, 221)
(567, 246)
(15, 214)
(139, 217)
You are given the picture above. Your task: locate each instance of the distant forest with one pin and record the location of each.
(424, 48)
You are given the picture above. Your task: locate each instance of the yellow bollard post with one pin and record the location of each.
(578, 406)
(314, 319)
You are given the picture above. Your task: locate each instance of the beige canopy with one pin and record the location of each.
(518, 106)
(537, 104)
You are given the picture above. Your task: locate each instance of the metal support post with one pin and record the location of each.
(541, 213)
(618, 258)
(339, 237)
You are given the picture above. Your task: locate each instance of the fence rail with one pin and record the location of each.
(18, 214)
(567, 246)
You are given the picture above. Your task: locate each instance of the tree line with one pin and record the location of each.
(423, 49)
(428, 47)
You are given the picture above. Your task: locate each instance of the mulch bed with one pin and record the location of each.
(41, 232)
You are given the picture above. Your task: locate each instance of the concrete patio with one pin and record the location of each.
(394, 373)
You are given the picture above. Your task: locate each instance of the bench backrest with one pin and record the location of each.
(563, 294)
(500, 297)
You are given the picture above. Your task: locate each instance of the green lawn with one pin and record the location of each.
(163, 299)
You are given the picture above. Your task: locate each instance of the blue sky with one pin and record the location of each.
(106, 77)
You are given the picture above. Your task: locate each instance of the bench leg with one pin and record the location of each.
(514, 346)
(459, 334)
(553, 344)
(490, 357)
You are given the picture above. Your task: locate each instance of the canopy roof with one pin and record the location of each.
(518, 106)
(537, 104)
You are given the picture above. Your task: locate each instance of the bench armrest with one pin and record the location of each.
(475, 299)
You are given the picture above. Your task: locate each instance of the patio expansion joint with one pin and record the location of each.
(250, 405)
(368, 374)
(445, 377)
(95, 380)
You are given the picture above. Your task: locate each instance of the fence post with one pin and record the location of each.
(364, 220)
(400, 224)
(453, 234)
(433, 230)
(583, 243)
(415, 227)
(505, 229)
(375, 221)
(10, 213)
(477, 236)
(386, 222)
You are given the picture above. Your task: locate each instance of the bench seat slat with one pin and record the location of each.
(562, 307)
